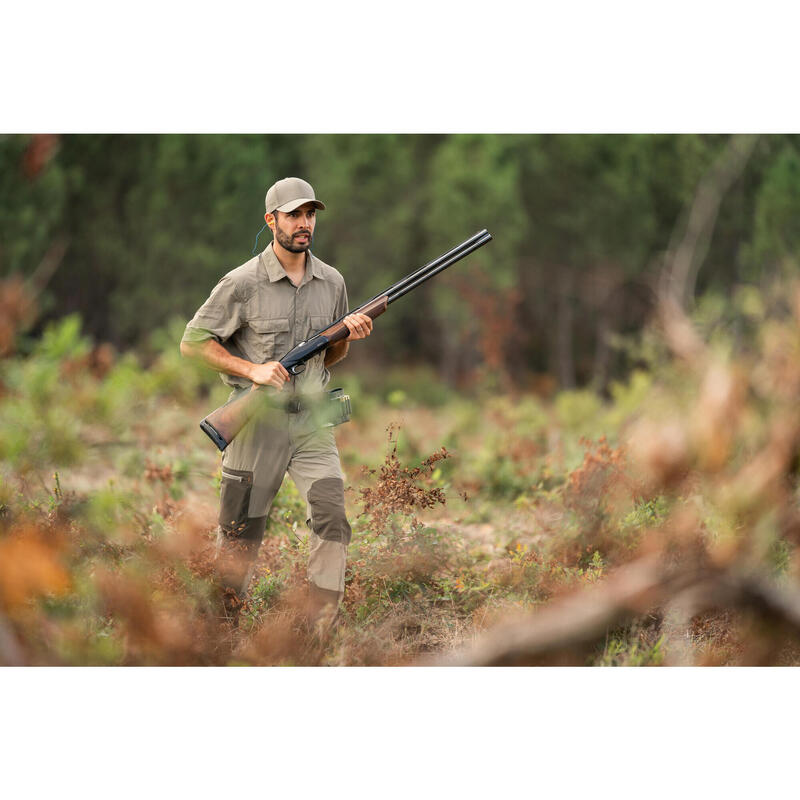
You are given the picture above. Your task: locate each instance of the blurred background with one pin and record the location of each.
(601, 403)
(131, 231)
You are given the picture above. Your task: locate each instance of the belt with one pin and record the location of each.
(295, 405)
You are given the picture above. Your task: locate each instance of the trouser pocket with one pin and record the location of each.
(239, 535)
(234, 501)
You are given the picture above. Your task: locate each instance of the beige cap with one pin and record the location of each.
(289, 194)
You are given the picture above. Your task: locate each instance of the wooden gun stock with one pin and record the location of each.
(222, 425)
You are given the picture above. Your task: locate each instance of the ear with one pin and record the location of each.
(269, 219)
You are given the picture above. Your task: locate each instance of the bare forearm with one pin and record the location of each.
(214, 355)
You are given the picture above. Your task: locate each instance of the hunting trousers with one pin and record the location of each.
(253, 468)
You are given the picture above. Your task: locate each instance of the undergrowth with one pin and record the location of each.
(463, 516)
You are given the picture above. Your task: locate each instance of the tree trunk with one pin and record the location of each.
(564, 327)
(602, 352)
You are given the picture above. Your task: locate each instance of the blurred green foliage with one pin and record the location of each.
(151, 222)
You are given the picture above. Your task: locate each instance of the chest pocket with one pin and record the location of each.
(317, 323)
(270, 338)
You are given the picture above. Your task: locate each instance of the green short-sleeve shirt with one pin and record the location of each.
(256, 313)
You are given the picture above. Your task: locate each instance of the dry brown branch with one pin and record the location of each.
(689, 246)
(47, 266)
(19, 298)
(565, 631)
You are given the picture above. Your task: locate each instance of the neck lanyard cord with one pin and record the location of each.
(255, 246)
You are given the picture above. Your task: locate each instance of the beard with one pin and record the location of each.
(288, 243)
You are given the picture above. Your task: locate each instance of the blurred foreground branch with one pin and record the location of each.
(11, 654)
(566, 631)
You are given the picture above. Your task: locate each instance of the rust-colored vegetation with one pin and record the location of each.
(659, 526)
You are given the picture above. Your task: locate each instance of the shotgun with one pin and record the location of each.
(222, 425)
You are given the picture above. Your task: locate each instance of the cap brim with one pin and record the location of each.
(291, 206)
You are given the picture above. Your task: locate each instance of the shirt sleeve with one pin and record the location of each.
(341, 303)
(219, 317)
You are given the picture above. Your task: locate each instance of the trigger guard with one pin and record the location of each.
(297, 369)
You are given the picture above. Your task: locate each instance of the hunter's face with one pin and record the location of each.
(294, 230)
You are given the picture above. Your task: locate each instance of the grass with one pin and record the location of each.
(465, 512)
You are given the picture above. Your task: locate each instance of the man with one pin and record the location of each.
(256, 314)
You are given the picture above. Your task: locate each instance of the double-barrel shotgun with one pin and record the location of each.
(223, 424)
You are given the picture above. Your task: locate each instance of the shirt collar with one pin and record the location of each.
(275, 270)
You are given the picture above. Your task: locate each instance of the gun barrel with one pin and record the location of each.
(431, 265)
(460, 250)
(442, 264)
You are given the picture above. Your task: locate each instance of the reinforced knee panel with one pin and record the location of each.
(328, 519)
